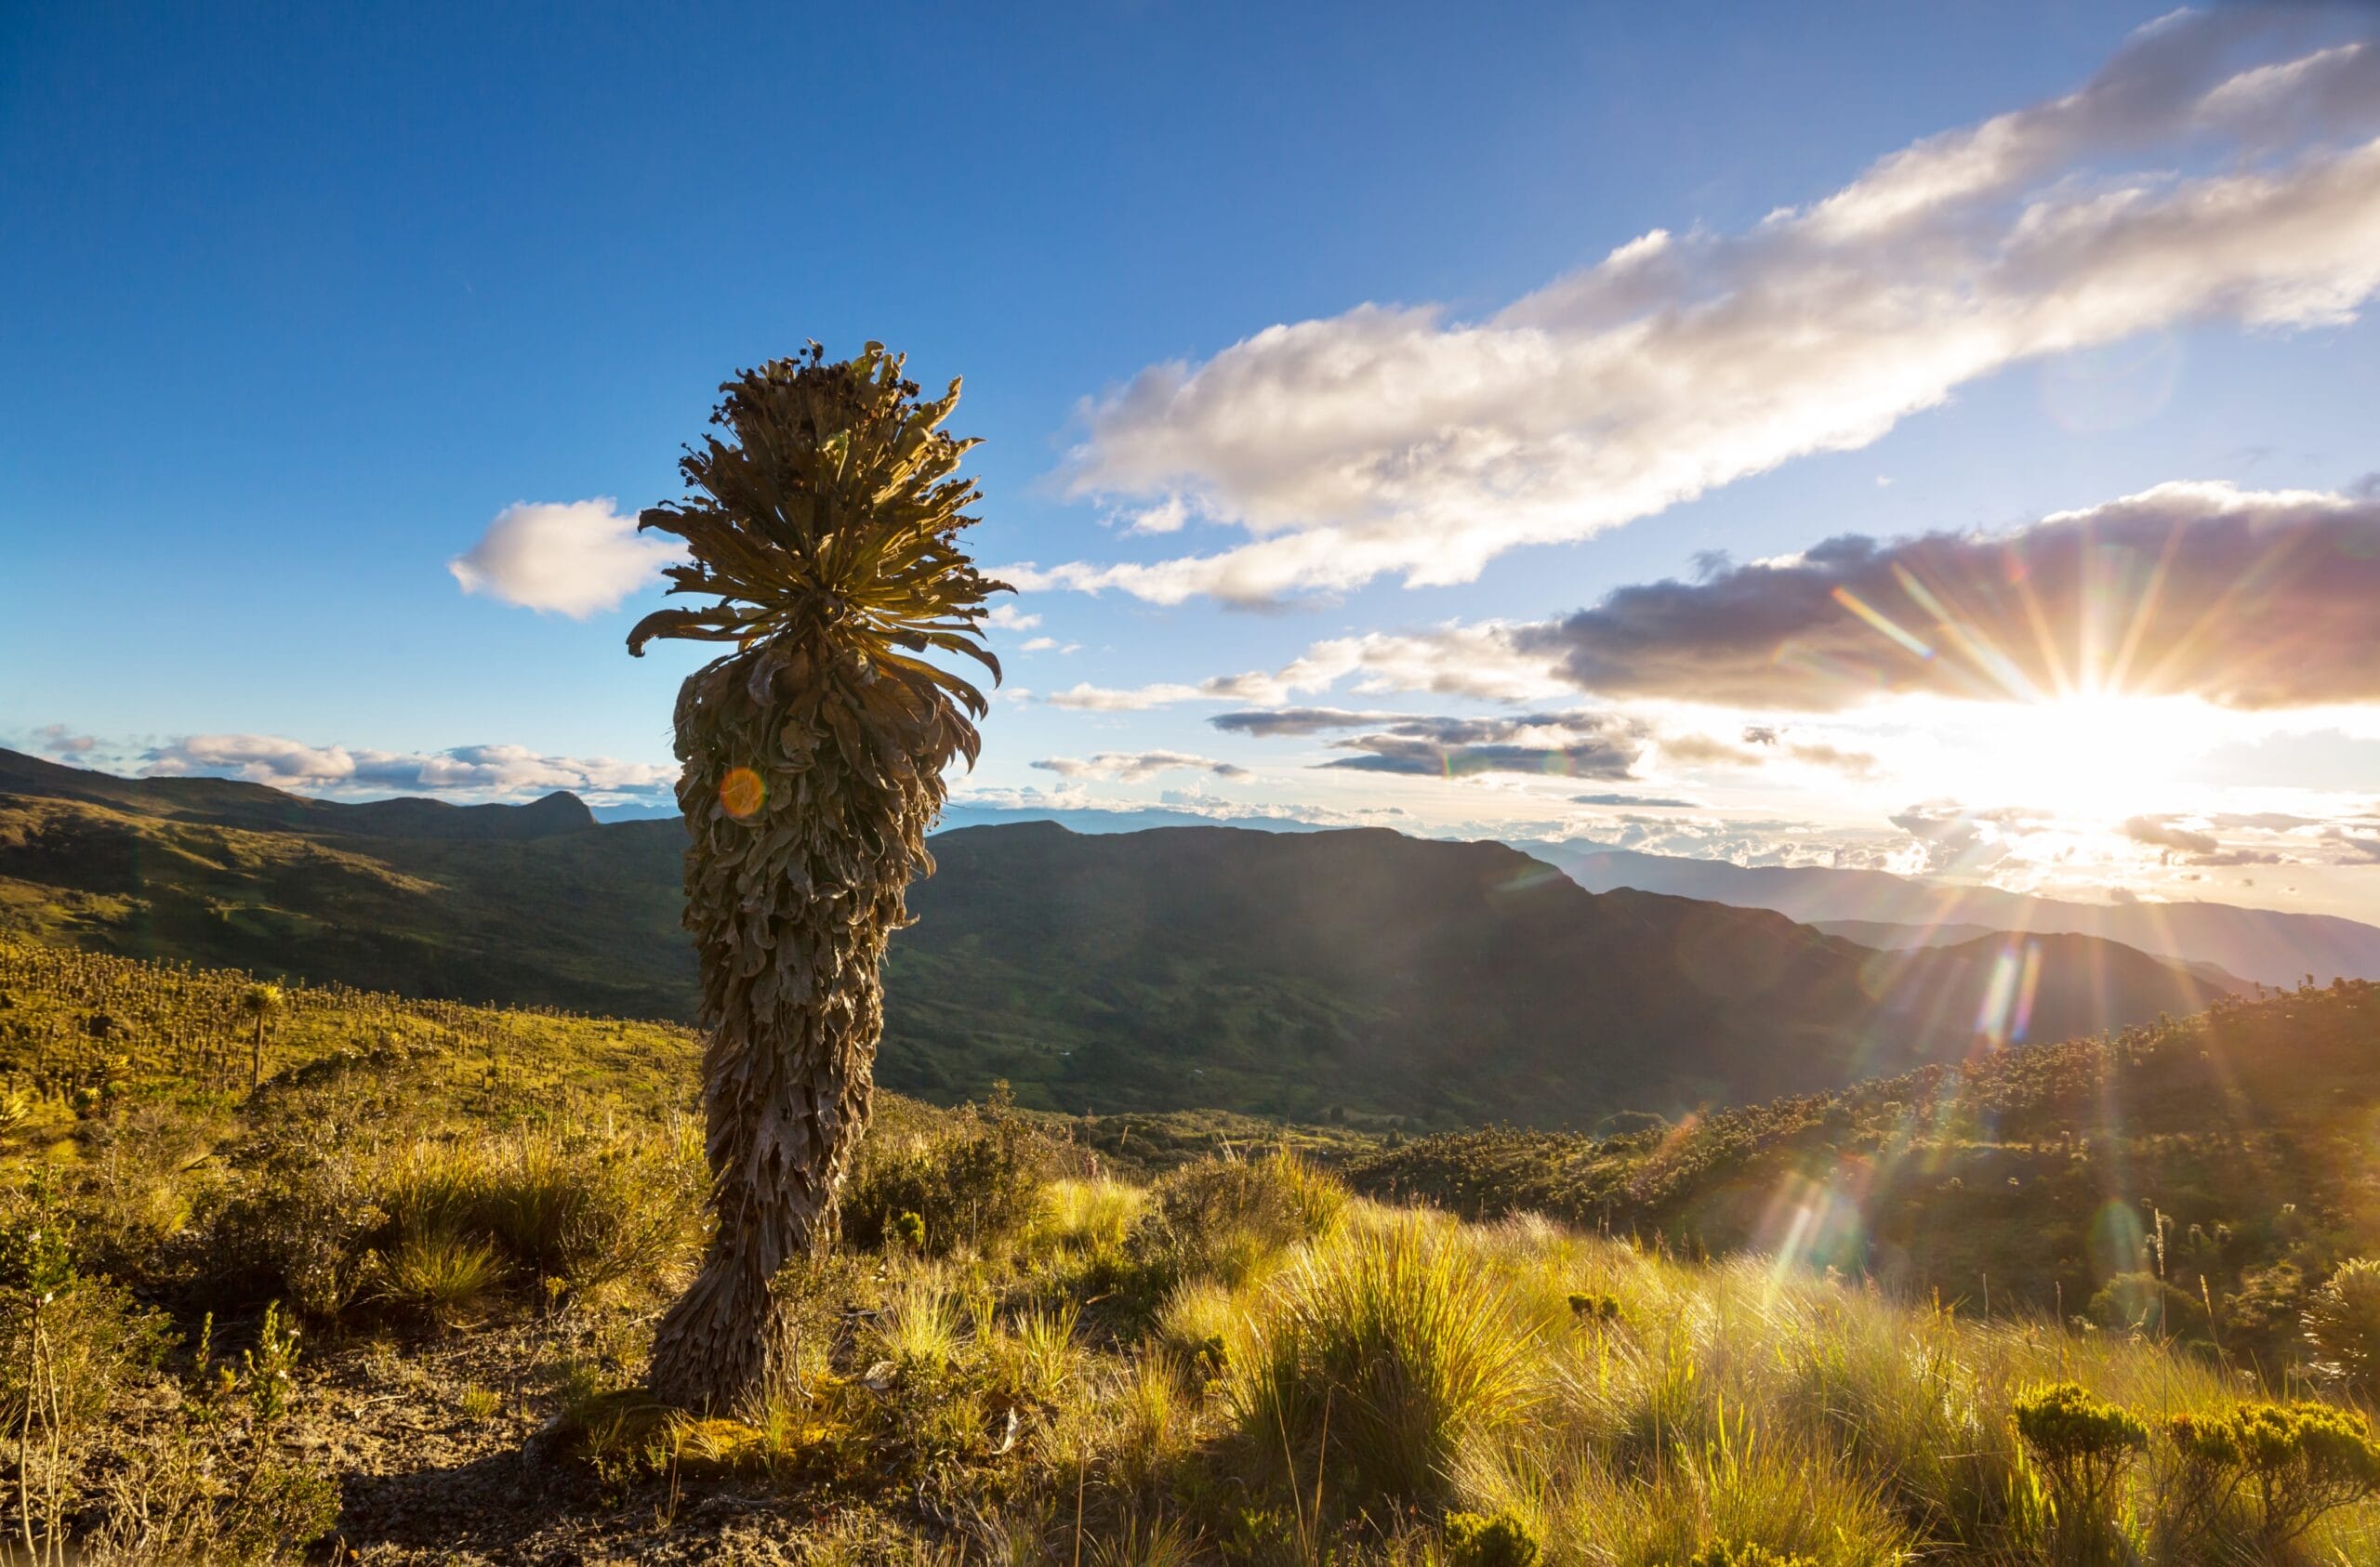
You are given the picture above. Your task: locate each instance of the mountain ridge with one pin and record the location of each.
(2274, 946)
(231, 802)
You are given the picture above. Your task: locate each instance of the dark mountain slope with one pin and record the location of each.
(1439, 981)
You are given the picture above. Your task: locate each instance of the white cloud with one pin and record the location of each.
(1482, 661)
(1394, 439)
(483, 773)
(1038, 644)
(574, 558)
(1008, 617)
(1088, 698)
(1131, 767)
(1167, 517)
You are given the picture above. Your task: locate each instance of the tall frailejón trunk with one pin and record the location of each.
(802, 839)
(824, 526)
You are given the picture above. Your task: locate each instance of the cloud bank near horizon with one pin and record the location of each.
(1395, 441)
(478, 772)
(1133, 766)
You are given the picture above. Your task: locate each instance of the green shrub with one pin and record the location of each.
(975, 1182)
(69, 1348)
(1161, 1542)
(1086, 1216)
(1221, 1217)
(214, 1482)
(297, 1229)
(2081, 1445)
(917, 1330)
(1397, 1344)
(2147, 1304)
(2272, 1471)
(320, 1225)
(1474, 1540)
(2342, 1326)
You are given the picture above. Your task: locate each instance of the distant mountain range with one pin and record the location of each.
(1289, 973)
(1368, 971)
(2265, 945)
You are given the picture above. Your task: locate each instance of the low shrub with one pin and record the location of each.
(207, 1482)
(1196, 1321)
(1041, 1355)
(1221, 1217)
(69, 1348)
(917, 1330)
(1086, 1216)
(441, 1220)
(214, 1483)
(2082, 1446)
(1474, 1540)
(298, 1226)
(587, 1210)
(1158, 1409)
(975, 1181)
(2146, 1304)
(2270, 1472)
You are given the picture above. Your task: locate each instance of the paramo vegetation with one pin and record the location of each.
(1156, 1341)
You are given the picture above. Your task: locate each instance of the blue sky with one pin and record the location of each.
(302, 301)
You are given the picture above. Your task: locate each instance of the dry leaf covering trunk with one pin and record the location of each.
(812, 759)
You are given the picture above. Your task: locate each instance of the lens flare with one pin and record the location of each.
(1881, 620)
(2007, 1011)
(1809, 1226)
(742, 793)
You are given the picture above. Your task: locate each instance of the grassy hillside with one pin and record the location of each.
(535, 908)
(1029, 1352)
(2222, 1161)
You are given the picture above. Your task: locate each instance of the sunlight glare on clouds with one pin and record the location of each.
(2091, 758)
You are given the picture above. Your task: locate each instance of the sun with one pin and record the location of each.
(2104, 755)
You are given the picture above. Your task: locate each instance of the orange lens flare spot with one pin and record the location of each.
(742, 793)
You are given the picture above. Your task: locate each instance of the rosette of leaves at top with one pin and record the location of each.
(823, 517)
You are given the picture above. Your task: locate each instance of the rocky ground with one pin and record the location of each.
(446, 1450)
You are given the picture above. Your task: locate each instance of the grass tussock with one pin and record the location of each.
(1374, 1358)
